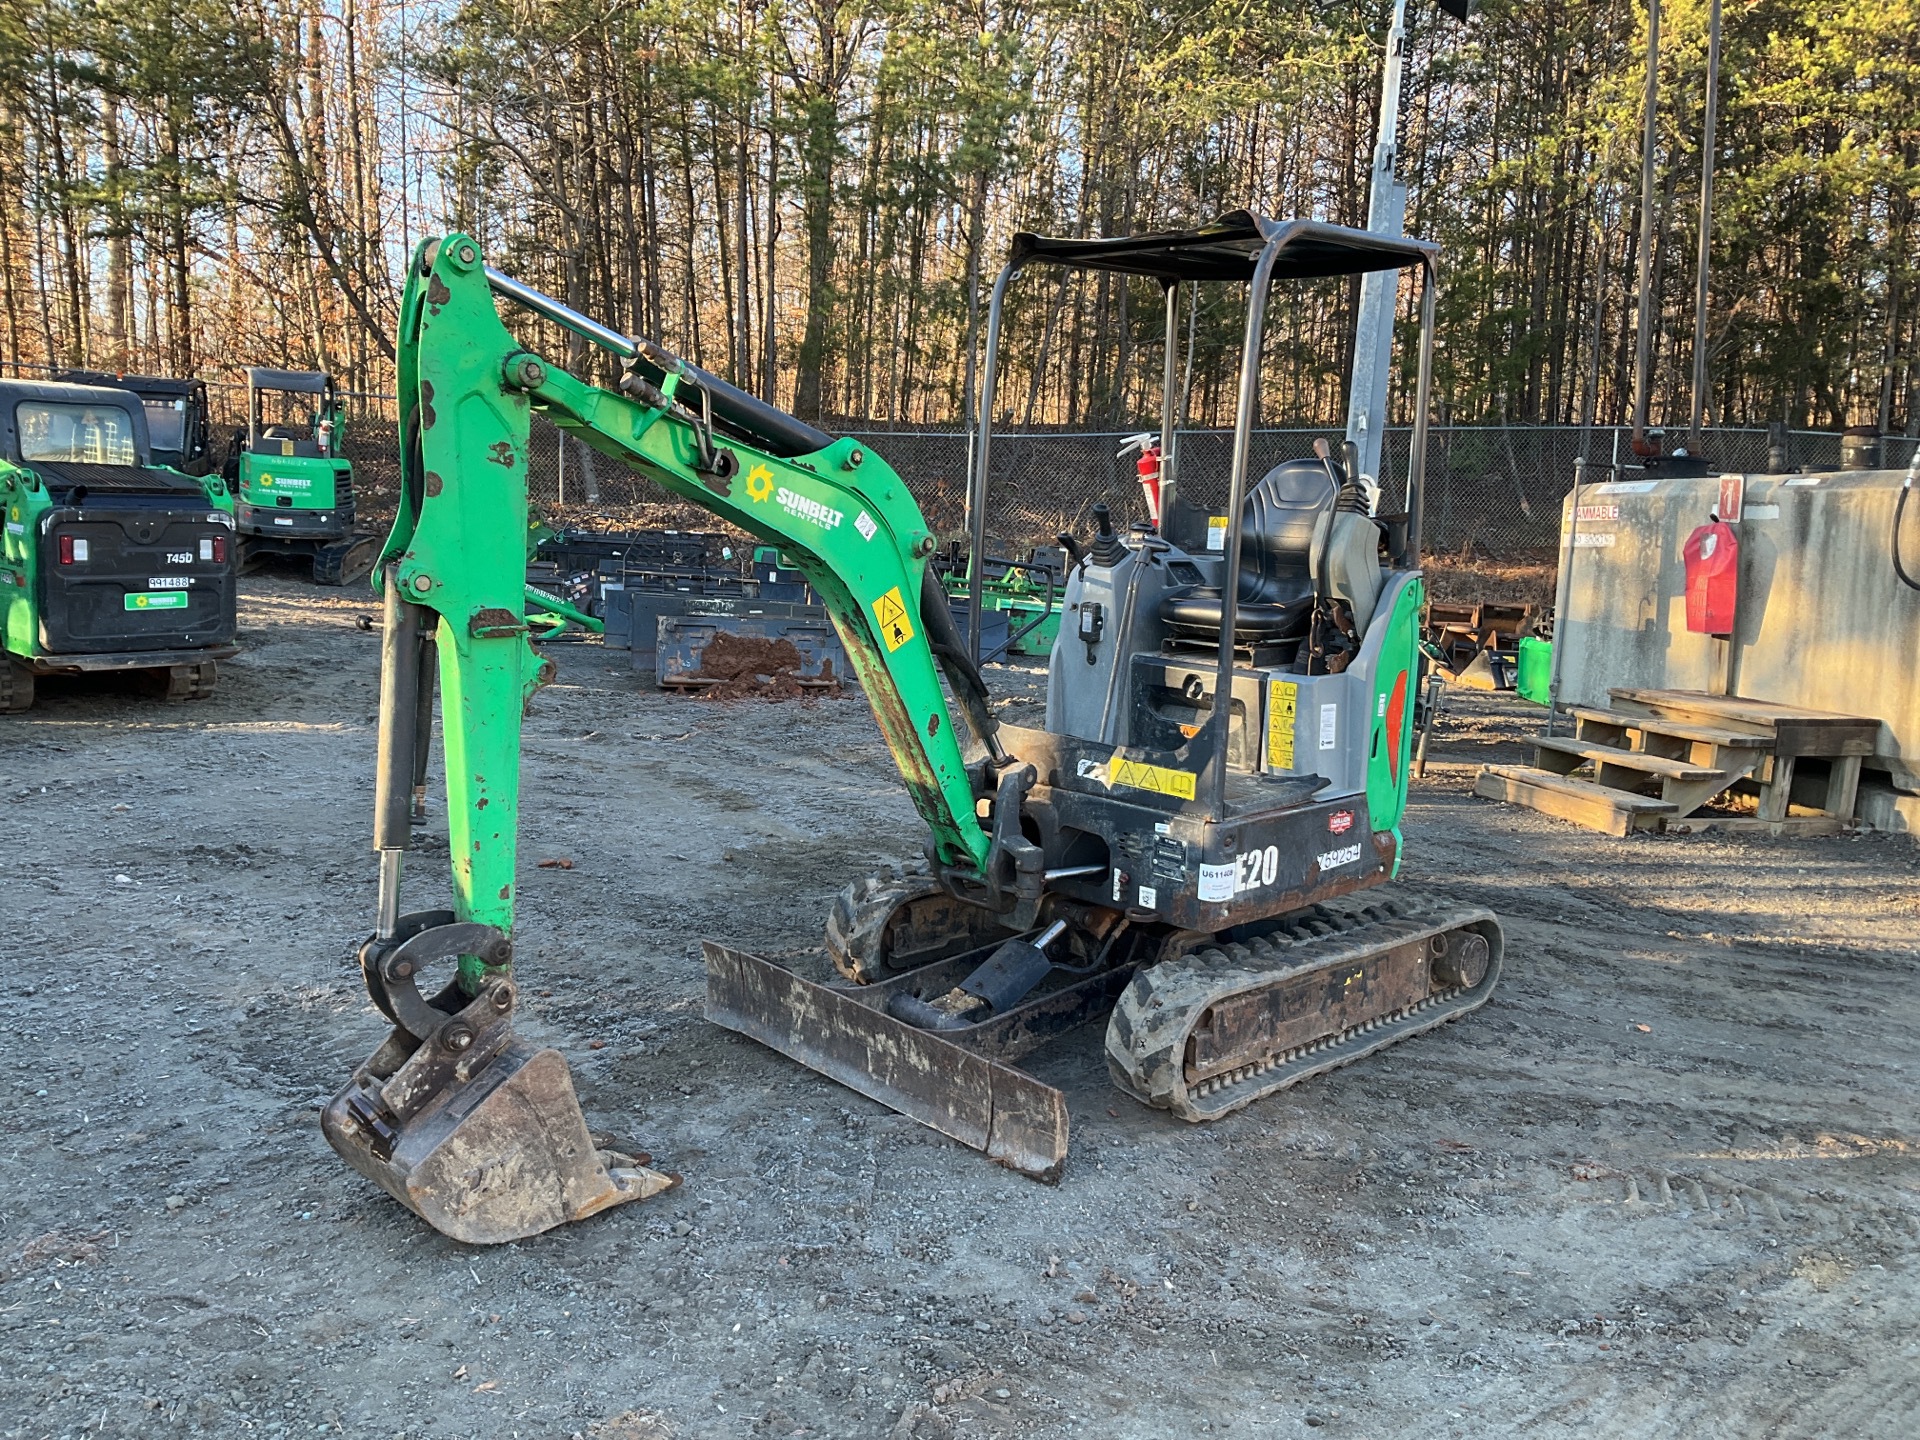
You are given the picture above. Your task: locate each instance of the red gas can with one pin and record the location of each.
(1713, 578)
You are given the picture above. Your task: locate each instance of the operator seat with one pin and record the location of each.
(303, 441)
(1276, 571)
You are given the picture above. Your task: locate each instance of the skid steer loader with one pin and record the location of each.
(110, 562)
(1181, 849)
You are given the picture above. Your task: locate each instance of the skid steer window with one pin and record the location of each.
(166, 423)
(80, 434)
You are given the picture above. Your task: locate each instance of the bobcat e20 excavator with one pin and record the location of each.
(1185, 866)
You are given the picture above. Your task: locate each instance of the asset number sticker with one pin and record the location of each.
(1282, 698)
(1246, 872)
(891, 611)
(1334, 859)
(156, 600)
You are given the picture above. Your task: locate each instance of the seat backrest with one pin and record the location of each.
(276, 436)
(1277, 528)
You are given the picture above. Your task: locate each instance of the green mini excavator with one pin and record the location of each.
(292, 480)
(1190, 848)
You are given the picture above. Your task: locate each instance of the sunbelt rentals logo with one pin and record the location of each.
(760, 489)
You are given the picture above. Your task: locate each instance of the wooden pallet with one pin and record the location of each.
(1654, 759)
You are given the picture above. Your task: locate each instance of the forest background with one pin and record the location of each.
(811, 196)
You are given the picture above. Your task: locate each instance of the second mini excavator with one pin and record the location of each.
(1188, 868)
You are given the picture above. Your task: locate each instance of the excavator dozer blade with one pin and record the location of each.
(497, 1154)
(844, 1033)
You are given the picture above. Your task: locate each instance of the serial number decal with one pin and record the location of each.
(1334, 859)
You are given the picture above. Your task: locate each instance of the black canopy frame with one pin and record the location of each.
(290, 382)
(1240, 246)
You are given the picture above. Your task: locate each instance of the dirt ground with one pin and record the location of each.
(1663, 1184)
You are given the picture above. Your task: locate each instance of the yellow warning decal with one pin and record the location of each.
(1160, 779)
(891, 611)
(1283, 697)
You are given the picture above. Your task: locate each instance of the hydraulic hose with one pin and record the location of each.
(1899, 513)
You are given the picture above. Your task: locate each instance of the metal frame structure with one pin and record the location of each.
(1239, 246)
(286, 382)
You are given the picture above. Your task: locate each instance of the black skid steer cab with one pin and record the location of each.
(109, 561)
(179, 431)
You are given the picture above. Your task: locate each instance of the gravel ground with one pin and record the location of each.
(1662, 1184)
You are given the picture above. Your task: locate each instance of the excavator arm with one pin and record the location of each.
(840, 513)
(468, 1126)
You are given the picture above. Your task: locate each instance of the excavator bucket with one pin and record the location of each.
(497, 1154)
(472, 1128)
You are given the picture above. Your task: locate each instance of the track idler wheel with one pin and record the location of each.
(473, 1129)
(899, 919)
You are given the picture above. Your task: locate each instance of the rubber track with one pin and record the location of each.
(1147, 1034)
(190, 682)
(346, 561)
(857, 923)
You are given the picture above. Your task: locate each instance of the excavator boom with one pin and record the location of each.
(470, 1127)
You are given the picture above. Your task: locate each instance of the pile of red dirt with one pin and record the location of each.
(746, 667)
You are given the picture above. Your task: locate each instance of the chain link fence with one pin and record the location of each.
(1493, 491)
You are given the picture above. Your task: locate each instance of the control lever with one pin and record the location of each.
(1107, 549)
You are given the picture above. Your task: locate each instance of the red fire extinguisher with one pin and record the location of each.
(1712, 555)
(1147, 467)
